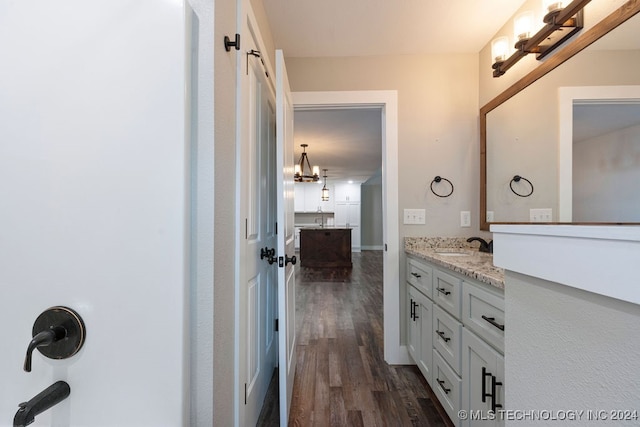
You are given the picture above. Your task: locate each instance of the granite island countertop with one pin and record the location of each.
(476, 265)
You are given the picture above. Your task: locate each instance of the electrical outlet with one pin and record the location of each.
(465, 219)
(540, 215)
(414, 216)
(490, 216)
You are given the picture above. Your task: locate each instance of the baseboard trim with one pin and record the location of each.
(372, 248)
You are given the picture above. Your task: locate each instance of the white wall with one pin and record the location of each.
(606, 172)
(94, 177)
(202, 211)
(569, 349)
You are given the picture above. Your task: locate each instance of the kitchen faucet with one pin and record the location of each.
(484, 246)
(44, 400)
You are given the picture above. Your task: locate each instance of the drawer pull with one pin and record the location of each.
(443, 290)
(442, 336)
(412, 310)
(441, 382)
(416, 275)
(492, 320)
(415, 315)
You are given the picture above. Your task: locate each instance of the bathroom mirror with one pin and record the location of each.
(520, 129)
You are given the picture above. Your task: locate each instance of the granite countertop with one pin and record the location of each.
(477, 265)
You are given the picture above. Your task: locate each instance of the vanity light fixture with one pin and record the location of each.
(303, 172)
(325, 190)
(560, 24)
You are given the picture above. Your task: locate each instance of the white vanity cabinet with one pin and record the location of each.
(483, 384)
(456, 337)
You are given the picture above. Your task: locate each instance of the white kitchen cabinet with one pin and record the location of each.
(347, 214)
(483, 385)
(420, 331)
(298, 197)
(308, 198)
(347, 192)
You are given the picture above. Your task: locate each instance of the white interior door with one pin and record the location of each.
(94, 183)
(286, 240)
(257, 337)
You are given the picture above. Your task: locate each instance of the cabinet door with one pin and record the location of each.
(298, 197)
(312, 195)
(329, 205)
(355, 238)
(347, 192)
(341, 214)
(482, 381)
(414, 324)
(425, 361)
(353, 214)
(421, 332)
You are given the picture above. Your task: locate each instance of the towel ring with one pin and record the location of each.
(437, 179)
(517, 178)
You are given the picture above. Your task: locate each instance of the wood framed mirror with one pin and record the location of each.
(610, 22)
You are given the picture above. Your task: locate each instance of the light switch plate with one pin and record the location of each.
(540, 215)
(414, 216)
(465, 219)
(490, 216)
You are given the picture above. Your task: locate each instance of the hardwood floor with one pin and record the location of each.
(341, 376)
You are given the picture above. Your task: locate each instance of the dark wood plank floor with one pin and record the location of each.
(341, 376)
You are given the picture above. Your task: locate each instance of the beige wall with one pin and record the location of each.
(224, 223)
(523, 133)
(490, 87)
(437, 125)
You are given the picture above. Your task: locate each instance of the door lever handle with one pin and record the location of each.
(269, 254)
(291, 260)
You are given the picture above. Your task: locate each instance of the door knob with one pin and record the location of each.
(58, 333)
(291, 260)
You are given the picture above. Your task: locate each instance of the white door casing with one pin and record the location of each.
(94, 180)
(387, 101)
(257, 349)
(286, 276)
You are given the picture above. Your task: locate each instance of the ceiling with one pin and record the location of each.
(348, 142)
(596, 119)
(320, 28)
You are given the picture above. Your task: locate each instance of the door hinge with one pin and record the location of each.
(385, 247)
(276, 228)
(245, 393)
(276, 325)
(246, 228)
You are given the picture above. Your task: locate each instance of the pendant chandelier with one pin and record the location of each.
(325, 190)
(303, 171)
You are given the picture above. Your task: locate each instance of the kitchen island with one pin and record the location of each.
(325, 247)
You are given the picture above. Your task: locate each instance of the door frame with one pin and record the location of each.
(387, 101)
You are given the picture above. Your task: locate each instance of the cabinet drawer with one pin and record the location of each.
(483, 313)
(447, 292)
(447, 386)
(420, 276)
(447, 337)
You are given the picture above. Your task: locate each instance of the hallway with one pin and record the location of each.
(341, 377)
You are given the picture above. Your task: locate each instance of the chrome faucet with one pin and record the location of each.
(484, 246)
(44, 400)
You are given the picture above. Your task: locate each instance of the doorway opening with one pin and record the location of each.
(386, 103)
